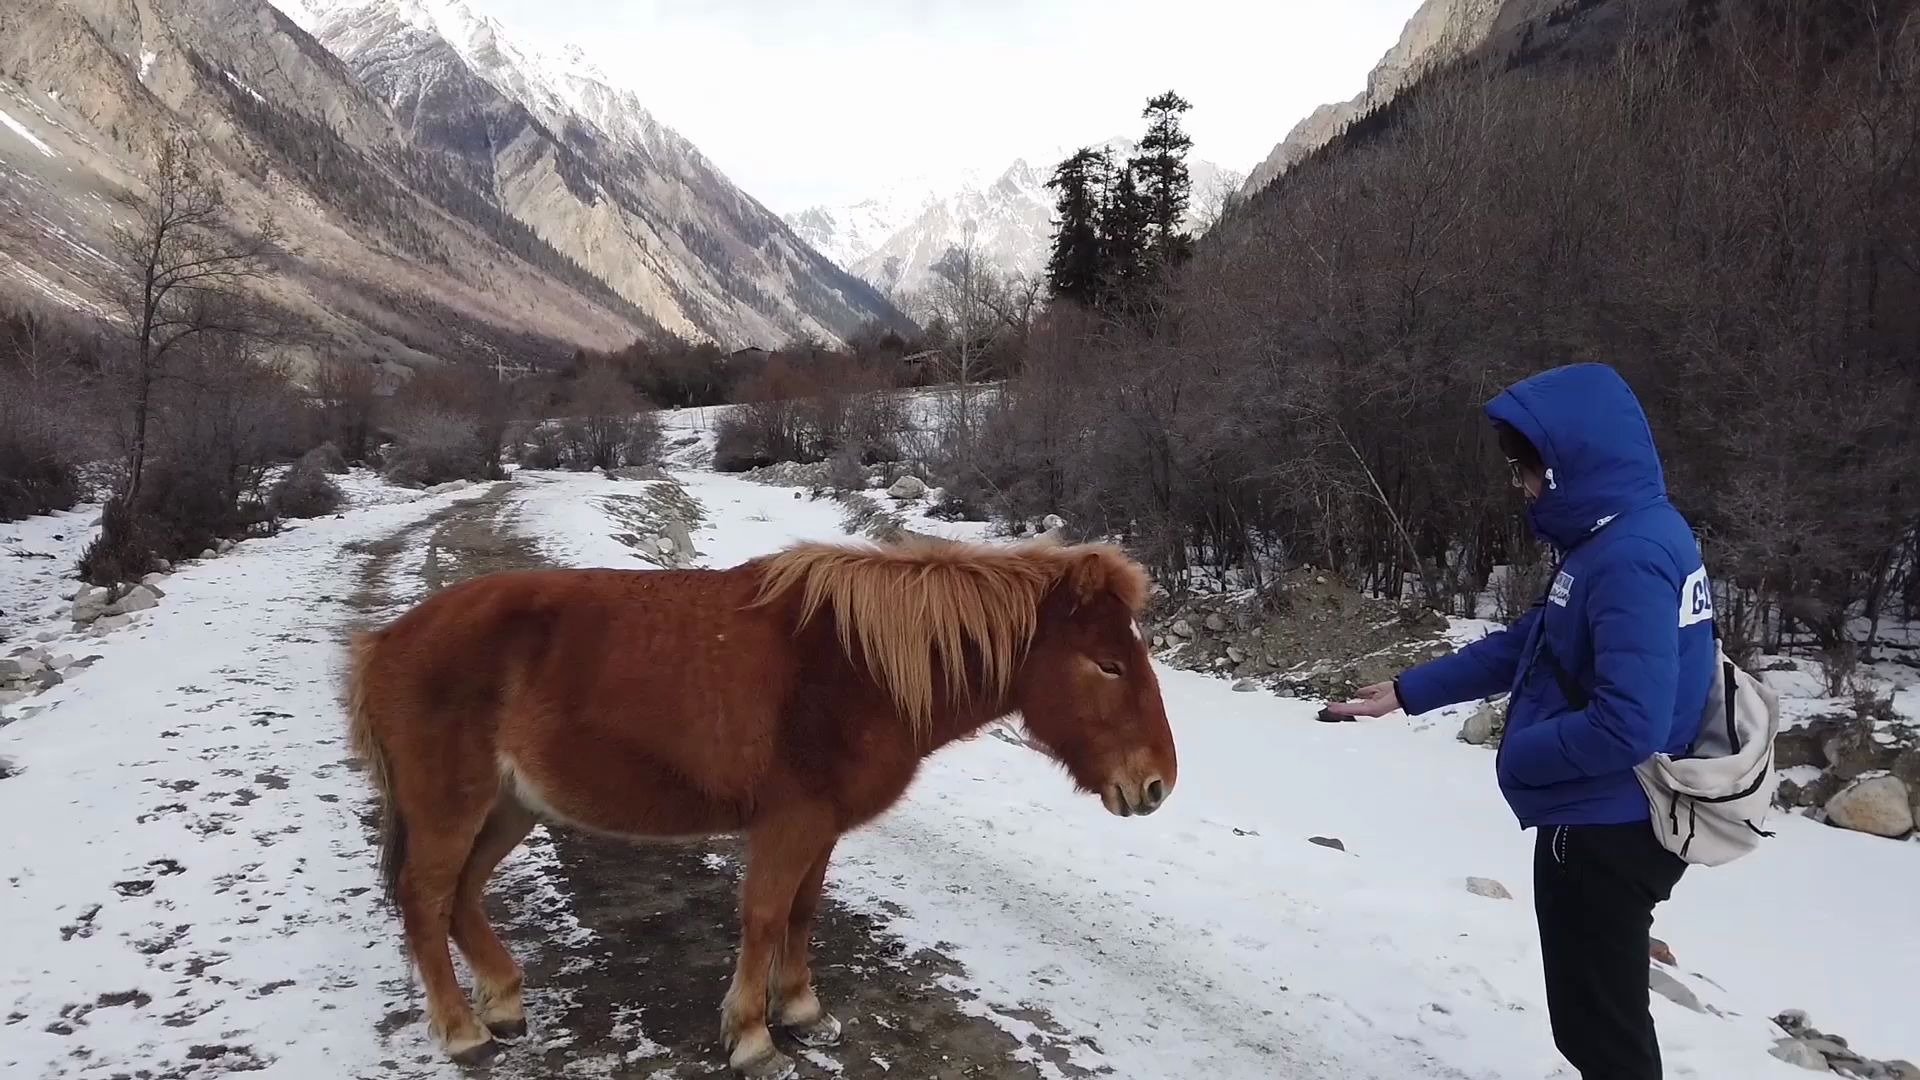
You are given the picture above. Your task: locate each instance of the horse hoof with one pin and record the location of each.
(478, 1054)
(508, 1030)
(822, 1032)
(772, 1065)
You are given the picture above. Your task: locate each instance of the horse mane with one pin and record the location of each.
(912, 608)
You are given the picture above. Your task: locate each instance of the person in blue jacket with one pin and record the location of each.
(1612, 665)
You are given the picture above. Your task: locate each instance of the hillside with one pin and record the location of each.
(555, 145)
(388, 254)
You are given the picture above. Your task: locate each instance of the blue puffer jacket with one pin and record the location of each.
(1628, 617)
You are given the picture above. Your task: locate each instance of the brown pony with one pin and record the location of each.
(790, 698)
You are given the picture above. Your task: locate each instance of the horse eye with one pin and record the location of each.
(1111, 668)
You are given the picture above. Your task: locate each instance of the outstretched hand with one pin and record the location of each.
(1376, 700)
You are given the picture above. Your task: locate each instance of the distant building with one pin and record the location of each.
(752, 354)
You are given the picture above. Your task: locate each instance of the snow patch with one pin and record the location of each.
(147, 57)
(20, 129)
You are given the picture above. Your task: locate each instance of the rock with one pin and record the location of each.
(1907, 767)
(1052, 523)
(663, 545)
(1853, 750)
(1659, 950)
(1489, 888)
(1182, 628)
(163, 565)
(1246, 686)
(1235, 655)
(1159, 642)
(681, 538)
(90, 603)
(208, 553)
(1879, 805)
(61, 662)
(140, 598)
(8, 697)
(1478, 730)
(1796, 1052)
(1797, 746)
(1215, 623)
(1794, 1022)
(908, 487)
(47, 680)
(1902, 1069)
(153, 580)
(107, 623)
(47, 635)
(1673, 990)
(1327, 841)
(20, 668)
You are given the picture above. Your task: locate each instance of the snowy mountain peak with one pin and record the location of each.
(893, 239)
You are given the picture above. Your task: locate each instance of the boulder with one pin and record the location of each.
(90, 603)
(1235, 655)
(1479, 728)
(163, 565)
(1880, 805)
(107, 623)
(8, 697)
(908, 487)
(1246, 686)
(1327, 842)
(1215, 623)
(681, 538)
(1159, 641)
(139, 598)
(152, 581)
(208, 553)
(1182, 628)
(1489, 888)
(20, 668)
(47, 680)
(47, 635)
(61, 662)
(1052, 523)
(1798, 1052)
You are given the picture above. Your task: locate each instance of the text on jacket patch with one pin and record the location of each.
(1562, 589)
(1696, 599)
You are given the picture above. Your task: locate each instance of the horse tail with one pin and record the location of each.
(367, 747)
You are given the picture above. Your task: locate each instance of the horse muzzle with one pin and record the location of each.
(1131, 798)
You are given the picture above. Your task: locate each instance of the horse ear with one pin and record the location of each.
(1088, 576)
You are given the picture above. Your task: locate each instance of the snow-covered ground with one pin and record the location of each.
(187, 880)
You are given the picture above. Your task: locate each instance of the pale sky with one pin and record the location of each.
(826, 101)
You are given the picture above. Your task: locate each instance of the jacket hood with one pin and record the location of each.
(1594, 439)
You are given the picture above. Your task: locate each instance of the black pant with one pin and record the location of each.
(1594, 889)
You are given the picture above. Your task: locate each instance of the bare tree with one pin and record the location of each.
(189, 273)
(969, 297)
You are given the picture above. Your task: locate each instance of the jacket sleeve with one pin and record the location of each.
(1633, 605)
(1482, 669)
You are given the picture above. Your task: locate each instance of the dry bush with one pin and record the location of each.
(306, 491)
(345, 394)
(40, 454)
(447, 424)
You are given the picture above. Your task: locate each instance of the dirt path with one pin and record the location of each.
(636, 991)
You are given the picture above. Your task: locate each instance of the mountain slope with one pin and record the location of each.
(1440, 30)
(388, 254)
(894, 238)
(584, 165)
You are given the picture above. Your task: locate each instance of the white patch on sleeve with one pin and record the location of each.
(1562, 589)
(1696, 599)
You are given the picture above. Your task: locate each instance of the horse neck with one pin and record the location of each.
(953, 721)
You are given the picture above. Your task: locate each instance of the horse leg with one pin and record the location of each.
(428, 883)
(496, 977)
(796, 1007)
(781, 852)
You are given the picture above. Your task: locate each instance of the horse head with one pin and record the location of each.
(1087, 689)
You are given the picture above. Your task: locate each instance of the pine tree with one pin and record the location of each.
(1160, 171)
(1125, 232)
(1074, 269)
